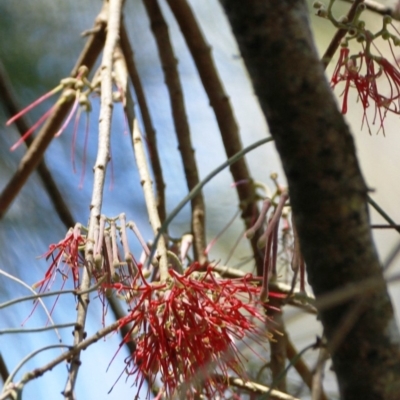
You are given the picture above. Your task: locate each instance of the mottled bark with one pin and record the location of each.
(327, 191)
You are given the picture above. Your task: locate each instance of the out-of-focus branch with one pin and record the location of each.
(172, 80)
(380, 8)
(302, 369)
(219, 101)
(103, 154)
(253, 387)
(10, 103)
(151, 139)
(35, 152)
(4, 373)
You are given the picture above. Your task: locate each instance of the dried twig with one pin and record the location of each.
(103, 154)
(172, 80)
(149, 197)
(151, 139)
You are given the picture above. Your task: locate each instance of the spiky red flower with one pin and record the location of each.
(361, 71)
(186, 329)
(65, 259)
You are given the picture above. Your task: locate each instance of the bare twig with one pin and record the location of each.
(172, 80)
(103, 154)
(149, 197)
(39, 145)
(122, 76)
(219, 101)
(68, 355)
(147, 123)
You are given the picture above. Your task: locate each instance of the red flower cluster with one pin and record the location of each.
(361, 72)
(65, 259)
(186, 328)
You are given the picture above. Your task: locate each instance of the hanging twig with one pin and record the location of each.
(219, 101)
(103, 154)
(182, 129)
(35, 152)
(151, 139)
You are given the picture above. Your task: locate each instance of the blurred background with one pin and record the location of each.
(41, 41)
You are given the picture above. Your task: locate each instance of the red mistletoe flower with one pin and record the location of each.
(65, 259)
(362, 71)
(185, 329)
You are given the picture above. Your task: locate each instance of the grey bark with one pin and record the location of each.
(327, 191)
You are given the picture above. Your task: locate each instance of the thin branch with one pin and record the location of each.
(68, 355)
(36, 150)
(235, 158)
(35, 330)
(382, 213)
(103, 154)
(49, 294)
(302, 368)
(35, 293)
(219, 101)
(182, 129)
(151, 139)
(145, 179)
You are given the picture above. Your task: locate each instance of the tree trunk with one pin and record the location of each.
(327, 191)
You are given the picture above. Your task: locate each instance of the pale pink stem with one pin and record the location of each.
(67, 121)
(34, 104)
(32, 129)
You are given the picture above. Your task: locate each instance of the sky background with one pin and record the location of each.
(41, 41)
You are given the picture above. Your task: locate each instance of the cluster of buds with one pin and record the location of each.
(375, 78)
(78, 88)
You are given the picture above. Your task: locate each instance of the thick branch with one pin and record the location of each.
(328, 194)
